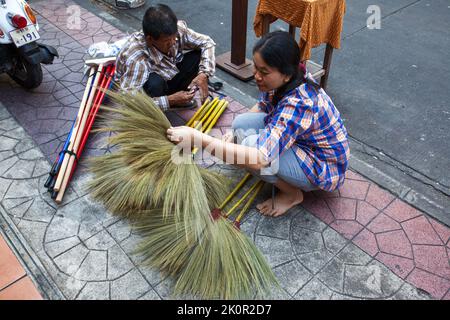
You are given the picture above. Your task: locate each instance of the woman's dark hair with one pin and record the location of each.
(280, 50)
(158, 20)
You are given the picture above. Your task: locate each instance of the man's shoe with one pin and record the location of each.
(190, 105)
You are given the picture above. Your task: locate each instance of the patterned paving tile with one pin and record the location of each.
(395, 242)
(433, 284)
(383, 223)
(378, 197)
(420, 231)
(400, 211)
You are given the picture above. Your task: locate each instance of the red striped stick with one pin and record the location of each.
(87, 92)
(65, 172)
(109, 74)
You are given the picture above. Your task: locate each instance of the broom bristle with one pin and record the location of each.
(166, 243)
(151, 179)
(226, 265)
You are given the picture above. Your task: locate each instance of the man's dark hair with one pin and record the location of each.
(158, 20)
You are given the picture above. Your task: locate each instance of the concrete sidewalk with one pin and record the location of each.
(360, 242)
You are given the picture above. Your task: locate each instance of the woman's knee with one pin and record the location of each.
(247, 124)
(250, 141)
(249, 120)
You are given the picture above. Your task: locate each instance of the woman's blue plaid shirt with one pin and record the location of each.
(306, 120)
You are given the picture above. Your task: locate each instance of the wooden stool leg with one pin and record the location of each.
(266, 23)
(326, 65)
(292, 30)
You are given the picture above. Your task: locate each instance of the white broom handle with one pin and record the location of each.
(63, 167)
(80, 132)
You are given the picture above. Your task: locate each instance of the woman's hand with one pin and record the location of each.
(228, 137)
(183, 134)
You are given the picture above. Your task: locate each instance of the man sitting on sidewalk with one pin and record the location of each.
(153, 60)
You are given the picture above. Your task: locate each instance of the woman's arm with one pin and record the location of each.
(242, 156)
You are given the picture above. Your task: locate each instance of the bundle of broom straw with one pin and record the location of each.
(222, 264)
(142, 175)
(172, 203)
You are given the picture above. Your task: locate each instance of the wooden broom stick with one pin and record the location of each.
(213, 120)
(202, 125)
(97, 102)
(237, 221)
(79, 134)
(197, 114)
(236, 190)
(256, 185)
(89, 86)
(206, 116)
(201, 117)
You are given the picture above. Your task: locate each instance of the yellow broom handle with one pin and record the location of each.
(252, 198)
(213, 106)
(236, 189)
(207, 119)
(197, 114)
(213, 116)
(202, 116)
(200, 122)
(237, 204)
(213, 120)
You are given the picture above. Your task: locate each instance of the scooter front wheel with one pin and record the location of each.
(26, 74)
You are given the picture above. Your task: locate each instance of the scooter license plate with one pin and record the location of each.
(25, 35)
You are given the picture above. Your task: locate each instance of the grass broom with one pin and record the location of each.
(141, 175)
(227, 265)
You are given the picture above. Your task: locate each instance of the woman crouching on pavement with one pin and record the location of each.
(293, 137)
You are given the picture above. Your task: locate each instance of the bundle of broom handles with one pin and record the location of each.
(207, 116)
(99, 80)
(249, 196)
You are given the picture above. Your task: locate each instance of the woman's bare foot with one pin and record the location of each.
(283, 202)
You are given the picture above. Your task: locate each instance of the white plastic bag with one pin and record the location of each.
(104, 49)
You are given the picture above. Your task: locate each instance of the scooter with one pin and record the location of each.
(20, 53)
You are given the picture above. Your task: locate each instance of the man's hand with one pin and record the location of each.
(180, 98)
(201, 81)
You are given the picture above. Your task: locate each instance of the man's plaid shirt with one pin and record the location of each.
(307, 121)
(136, 61)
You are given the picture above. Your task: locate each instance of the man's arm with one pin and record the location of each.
(134, 78)
(192, 40)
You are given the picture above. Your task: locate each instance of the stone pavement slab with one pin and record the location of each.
(14, 282)
(10, 268)
(358, 242)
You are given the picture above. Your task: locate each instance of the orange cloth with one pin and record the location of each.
(320, 21)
